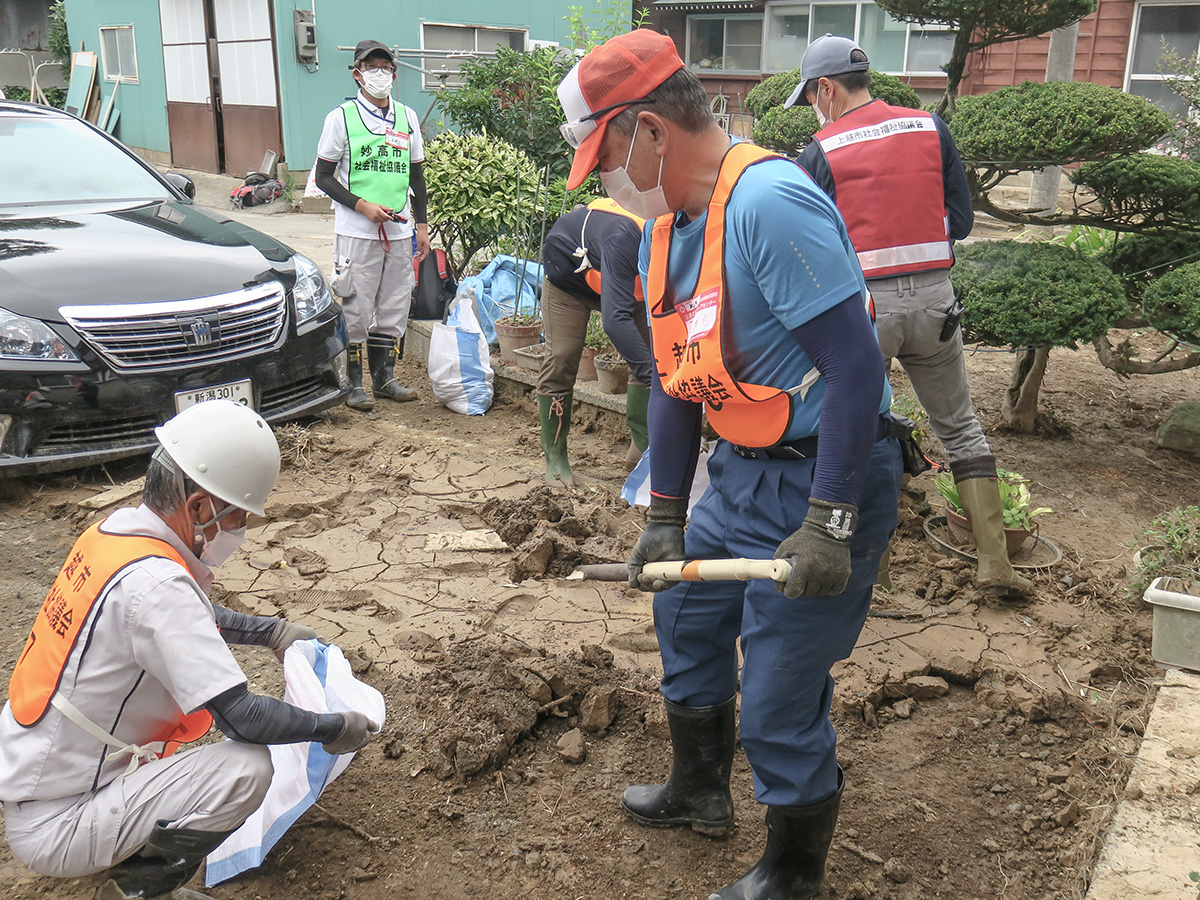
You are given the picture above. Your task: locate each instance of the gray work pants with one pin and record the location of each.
(909, 313)
(209, 788)
(375, 285)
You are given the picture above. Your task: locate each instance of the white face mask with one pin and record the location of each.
(822, 119)
(621, 189)
(217, 551)
(377, 82)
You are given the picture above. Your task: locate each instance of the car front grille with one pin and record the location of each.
(291, 395)
(152, 337)
(127, 431)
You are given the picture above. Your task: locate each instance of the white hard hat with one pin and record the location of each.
(227, 449)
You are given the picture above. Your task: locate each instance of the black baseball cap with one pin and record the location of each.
(366, 48)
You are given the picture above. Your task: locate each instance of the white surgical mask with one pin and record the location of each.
(217, 551)
(377, 82)
(822, 119)
(621, 189)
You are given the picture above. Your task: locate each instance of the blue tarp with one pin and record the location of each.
(495, 290)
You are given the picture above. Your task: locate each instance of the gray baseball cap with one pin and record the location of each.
(827, 55)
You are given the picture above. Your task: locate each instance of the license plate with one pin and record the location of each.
(239, 391)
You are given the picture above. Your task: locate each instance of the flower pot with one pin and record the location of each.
(960, 532)
(1175, 639)
(587, 365)
(513, 337)
(531, 357)
(612, 375)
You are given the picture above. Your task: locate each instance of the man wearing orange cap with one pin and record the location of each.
(758, 317)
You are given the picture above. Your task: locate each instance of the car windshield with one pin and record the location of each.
(54, 159)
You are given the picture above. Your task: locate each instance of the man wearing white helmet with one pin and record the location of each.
(128, 659)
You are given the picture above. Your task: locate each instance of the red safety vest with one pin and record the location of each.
(592, 276)
(96, 559)
(687, 334)
(886, 163)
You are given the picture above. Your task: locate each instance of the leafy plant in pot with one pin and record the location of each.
(521, 329)
(1015, 500)
(1169, 547)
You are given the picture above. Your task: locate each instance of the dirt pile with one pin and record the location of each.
(552, 532)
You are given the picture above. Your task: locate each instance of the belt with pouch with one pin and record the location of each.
(806, 447)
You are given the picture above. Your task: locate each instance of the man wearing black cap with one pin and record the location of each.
(897, 179)
(369, 158)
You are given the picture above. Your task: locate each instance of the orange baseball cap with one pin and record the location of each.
(612, 77)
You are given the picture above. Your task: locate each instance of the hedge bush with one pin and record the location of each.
(1054, 123)
(1138, 259)
(1038, 294)
(1147, 187)
(1172, 303)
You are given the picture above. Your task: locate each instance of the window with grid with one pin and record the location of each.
(119, 53)
(1159, 27)
(461, 42)
(894, 47)
(728, 43)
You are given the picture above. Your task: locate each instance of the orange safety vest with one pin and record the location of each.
(687, 334)
(97, 558)
(886, 163)
(592, 276)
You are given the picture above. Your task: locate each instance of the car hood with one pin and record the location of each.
(84, 255)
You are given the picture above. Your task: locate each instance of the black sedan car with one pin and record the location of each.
(123, 302)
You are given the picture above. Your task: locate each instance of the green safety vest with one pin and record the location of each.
(379, 163)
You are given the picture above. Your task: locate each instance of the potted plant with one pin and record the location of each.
(1015, 500)
(595, 342)
(521, 329)
(1168, 577)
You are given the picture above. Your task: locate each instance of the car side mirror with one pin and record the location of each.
(181, 183)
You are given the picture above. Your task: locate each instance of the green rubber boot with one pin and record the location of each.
(637, 400)
(980, 499)
(554, 413)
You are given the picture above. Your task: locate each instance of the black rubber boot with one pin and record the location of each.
(162, 867)
(554, 417)
(381, 354)
(697, 793)
(358, 399)
(792, 866)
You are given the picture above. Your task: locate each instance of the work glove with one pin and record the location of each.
(357, 731)
(661, 540)
(287, 633)
(819, 551)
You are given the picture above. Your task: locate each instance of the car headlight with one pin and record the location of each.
(311, 294)
(25, 338)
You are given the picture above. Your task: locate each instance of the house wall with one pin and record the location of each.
(25, 25)
(1100, 54)
(143, 105)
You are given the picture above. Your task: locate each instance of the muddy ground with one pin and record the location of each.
(985, 743)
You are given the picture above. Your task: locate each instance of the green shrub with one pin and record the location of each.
(475, 182)
(1172, 303)
(1054, 123)
(1138, 259)
(56, 96)
(1170, 547)
(58, 41)
(1145, 187)
(1034, 294)
(512, 97)
(789, 130)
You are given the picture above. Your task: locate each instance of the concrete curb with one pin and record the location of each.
(1154, 843)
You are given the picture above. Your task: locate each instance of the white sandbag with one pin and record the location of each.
(318, 679)
(636, 491)
(460, 368)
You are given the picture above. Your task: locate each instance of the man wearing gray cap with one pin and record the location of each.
(897, 179)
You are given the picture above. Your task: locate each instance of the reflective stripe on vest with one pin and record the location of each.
(379, 163)
(592, 275)
(686, 334)
(886, 164)
(93, 563)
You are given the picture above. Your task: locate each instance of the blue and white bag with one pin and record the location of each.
(318, 679)
(636, 491)
(460, 369)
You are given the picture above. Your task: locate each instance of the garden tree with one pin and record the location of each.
(788, 131)
(481, 190)
(982, 23)
(1033, 296)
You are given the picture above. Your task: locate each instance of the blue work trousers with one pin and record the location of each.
(788, 646)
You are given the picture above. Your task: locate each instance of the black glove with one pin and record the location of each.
(662, 539)
(287, 633)
(819, 550)
(357, 731)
